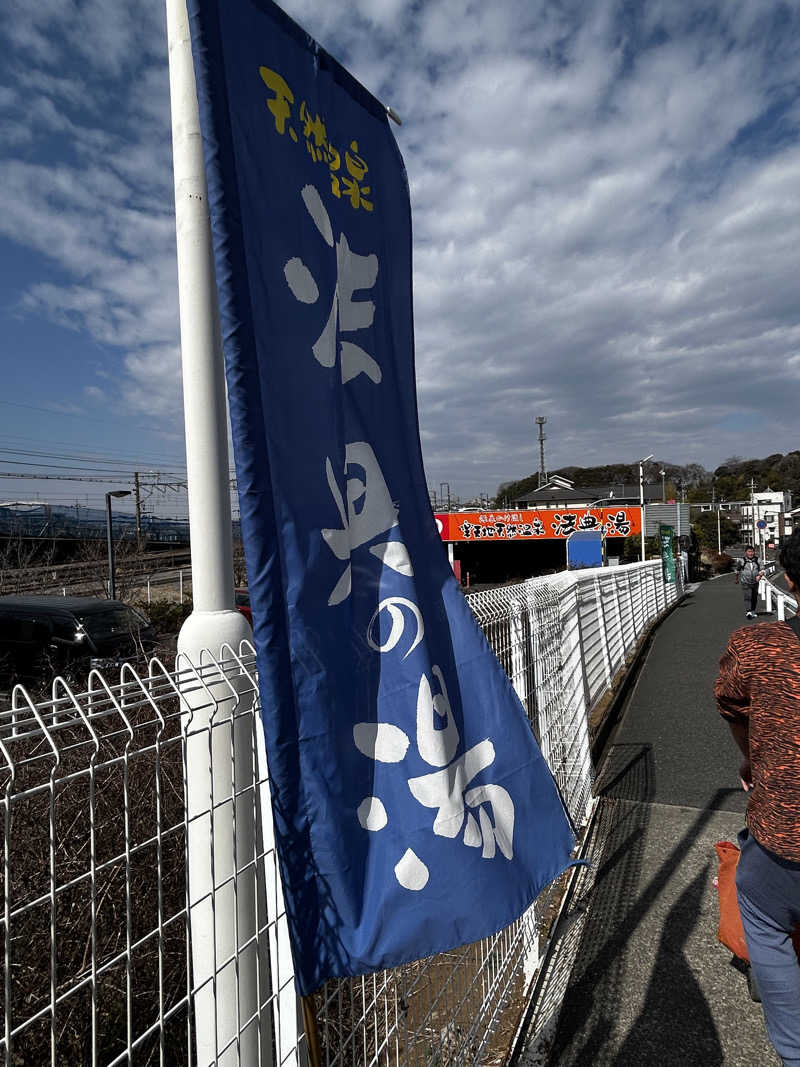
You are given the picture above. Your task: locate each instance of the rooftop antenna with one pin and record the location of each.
(540, 421)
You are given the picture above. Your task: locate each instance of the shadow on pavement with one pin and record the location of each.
(647, 982)
(675, 1024)
(628, 773)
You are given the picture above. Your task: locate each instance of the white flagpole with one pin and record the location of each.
(223, 896)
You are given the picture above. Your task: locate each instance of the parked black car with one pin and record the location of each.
(42, 636)
(242, 599)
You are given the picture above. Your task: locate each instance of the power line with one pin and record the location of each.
(142, 459)
(108, 476)
(59, 466)
(74, 415)
(163, 486)
(135, 463)
(25, 475)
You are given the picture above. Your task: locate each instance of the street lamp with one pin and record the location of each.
(662, 472)
(588, 508)
(641, 496)
(600, 500)
(112, 589)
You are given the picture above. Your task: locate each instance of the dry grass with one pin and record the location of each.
(122, 907)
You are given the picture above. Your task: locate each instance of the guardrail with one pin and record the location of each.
(96, 900)
(785, 603)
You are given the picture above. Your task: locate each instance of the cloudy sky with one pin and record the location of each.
(606, 229)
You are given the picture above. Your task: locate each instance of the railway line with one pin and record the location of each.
(77, 576)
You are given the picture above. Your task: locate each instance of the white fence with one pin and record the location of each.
(785, 602)
(96, 905)
(563, 640)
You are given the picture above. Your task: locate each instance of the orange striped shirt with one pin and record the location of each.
(759, 681)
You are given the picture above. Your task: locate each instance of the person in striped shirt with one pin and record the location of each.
(758, 693)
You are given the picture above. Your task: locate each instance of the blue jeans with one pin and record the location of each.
(768, 889)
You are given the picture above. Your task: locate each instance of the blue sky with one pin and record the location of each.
(605, 204)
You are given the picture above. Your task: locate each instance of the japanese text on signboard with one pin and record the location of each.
(542, 524)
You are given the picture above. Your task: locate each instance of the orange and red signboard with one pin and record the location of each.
(542, 524)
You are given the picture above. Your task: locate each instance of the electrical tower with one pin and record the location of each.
(540, 421)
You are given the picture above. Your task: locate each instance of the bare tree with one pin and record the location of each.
(239, 565)
(22, 560)
(94, 575)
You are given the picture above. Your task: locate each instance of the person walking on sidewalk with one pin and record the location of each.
(758, 693)
(748, 574)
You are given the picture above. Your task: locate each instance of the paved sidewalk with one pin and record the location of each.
(650, 984)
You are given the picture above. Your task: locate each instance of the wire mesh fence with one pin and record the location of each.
(100, 890)
(95, 956)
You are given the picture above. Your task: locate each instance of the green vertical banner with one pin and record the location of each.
(665, 536)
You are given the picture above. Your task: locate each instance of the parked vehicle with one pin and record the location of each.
(42, 636)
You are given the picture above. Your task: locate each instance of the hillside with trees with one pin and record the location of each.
(676, 477)
(730, 481)
(776, 472)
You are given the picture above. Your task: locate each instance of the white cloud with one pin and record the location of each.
(153, 380)
(604, 200)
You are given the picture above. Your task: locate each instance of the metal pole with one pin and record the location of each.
(138, 512)
(641, 505)
(752, 513)
(719, 535)
(540, 420)
(112, 589)
(641, 498)
(231, 979)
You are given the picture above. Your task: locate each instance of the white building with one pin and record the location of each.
(774, 508)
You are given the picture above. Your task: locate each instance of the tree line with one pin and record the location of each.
(690, 481)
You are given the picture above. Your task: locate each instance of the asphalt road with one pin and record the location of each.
(671, 715)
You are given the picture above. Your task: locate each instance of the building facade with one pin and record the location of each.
(774, 509)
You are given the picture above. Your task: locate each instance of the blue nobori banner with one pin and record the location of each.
(413, 809)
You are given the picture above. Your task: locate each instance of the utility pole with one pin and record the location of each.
(641, 503)
(540, 421)
(138, 512)
(112, 590)
(752, 512)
